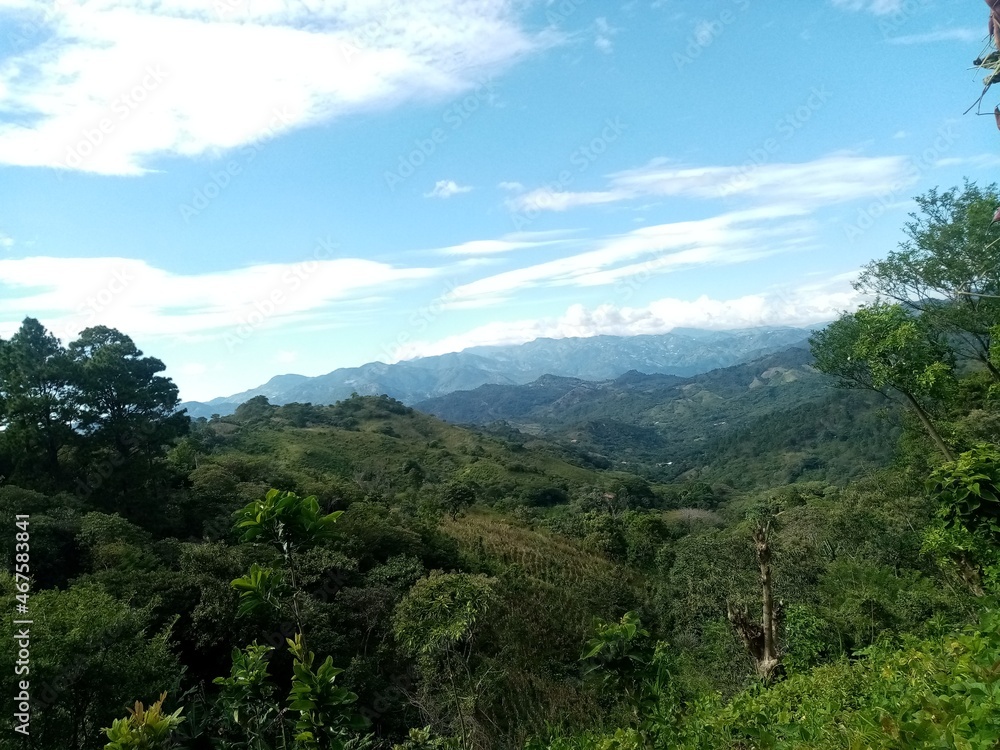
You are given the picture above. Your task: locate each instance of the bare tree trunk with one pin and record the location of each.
(929, 426)
(761, 640)
(992, 368)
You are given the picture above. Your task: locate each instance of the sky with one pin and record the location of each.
(255, 187)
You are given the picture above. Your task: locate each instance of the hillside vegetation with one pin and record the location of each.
(365, 576)
(770, 421)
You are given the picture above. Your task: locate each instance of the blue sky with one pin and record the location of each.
(254, 187)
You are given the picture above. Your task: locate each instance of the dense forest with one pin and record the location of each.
(364, 575)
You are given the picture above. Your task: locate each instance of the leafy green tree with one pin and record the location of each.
(437, 623)
(325, 720)
(290, 524)
(967, 528)
(128, 413)
(247, 704)
(257, 409)
(37, 410)
(455, 497)
(948, 268)
(293, 526)
(885, 349)
(91, 654)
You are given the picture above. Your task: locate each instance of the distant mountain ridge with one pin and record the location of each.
(682, 352)
(772, 420)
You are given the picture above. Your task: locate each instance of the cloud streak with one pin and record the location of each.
(831, 179)
(143, 300)
(731, 238)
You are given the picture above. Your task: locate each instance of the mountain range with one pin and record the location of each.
(773, 420)
(683, 352)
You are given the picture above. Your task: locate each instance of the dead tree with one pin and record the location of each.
(761, 639)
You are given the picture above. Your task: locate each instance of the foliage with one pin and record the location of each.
(884, 348)
(323, 720)
(285, 520)
(91, 655)
(144, 728)
(947, 268)
(969, 489)
(247, 700)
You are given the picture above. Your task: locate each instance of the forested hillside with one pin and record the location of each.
(770, 421)
(364, 575)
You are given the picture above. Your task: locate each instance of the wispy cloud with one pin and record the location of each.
(831, 179)
(505, 244)
(110, 85)
(722, 240)
(144, 300)
(446, 189)
(604, 35)
(964, 35)
(803, 305)
(875, 7)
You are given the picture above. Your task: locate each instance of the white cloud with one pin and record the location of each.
(721, 240)
(513, 187)
(803, 306)
(446, 189)
(507, 243)
(134, 296)
(966, 35)
(489, 247)
(830, 179)
(110, 85)
(876, 7)
(6, 241)
(603, 35)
